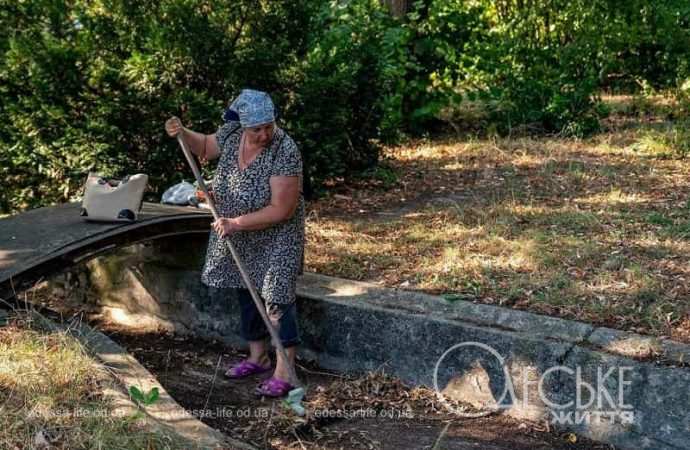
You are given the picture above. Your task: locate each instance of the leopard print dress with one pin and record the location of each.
(273, 256)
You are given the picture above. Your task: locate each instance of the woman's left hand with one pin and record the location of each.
(273, 312)
(225, 226)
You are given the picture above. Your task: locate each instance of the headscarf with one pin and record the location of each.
(254, 108)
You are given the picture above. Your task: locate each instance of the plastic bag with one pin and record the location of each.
(180, 194)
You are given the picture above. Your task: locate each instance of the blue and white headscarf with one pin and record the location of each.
(254, 108)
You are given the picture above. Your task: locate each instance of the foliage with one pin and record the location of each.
(524, 63)
(87, 84)
(644, 42)
(538, 64)
(345, 78)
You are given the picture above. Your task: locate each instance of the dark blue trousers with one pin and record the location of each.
(253, 328)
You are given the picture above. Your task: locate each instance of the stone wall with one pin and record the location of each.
(149, 286)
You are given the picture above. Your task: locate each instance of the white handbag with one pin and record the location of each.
(113, 200)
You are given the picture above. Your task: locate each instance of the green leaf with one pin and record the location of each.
(145, 399)
(152, 396)
(136, 394)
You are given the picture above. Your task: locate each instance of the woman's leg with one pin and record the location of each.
(282, 370)
(258, 354)
(289, 336)
(253, 329)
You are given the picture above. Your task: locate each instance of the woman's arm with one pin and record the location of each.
(284, 201)
(205, 146)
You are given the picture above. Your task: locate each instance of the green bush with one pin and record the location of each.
(523, 66)
(537, 65)
(338, 104)
(87, 85)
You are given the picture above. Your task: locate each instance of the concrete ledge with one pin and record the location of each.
(352, 326)
(165, 413)
(613, 341)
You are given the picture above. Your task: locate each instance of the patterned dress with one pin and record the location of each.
(273, 256)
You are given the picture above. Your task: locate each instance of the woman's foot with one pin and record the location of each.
(282, 371)
(246, 368)
(262, 360)
(273, 387)
(258, 362)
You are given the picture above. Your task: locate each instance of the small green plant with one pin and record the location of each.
(452, 298)
(145, 399)
(656, 218)
(382, 174)
(672, 142)
(680, 230)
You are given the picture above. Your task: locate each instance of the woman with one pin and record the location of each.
(258, 192)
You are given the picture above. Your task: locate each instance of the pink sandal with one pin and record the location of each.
(245, 369)
(273, 387)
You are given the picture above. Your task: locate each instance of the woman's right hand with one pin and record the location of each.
(173, 126)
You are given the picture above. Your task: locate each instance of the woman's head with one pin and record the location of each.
(254, 108)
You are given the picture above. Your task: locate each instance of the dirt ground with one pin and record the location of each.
(368, 411)
(594, 229)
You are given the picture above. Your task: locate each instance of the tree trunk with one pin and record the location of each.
(398, 8)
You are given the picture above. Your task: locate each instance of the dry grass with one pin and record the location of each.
(50, 396)
(596, 230)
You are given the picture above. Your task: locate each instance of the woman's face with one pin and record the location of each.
(260, 135)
